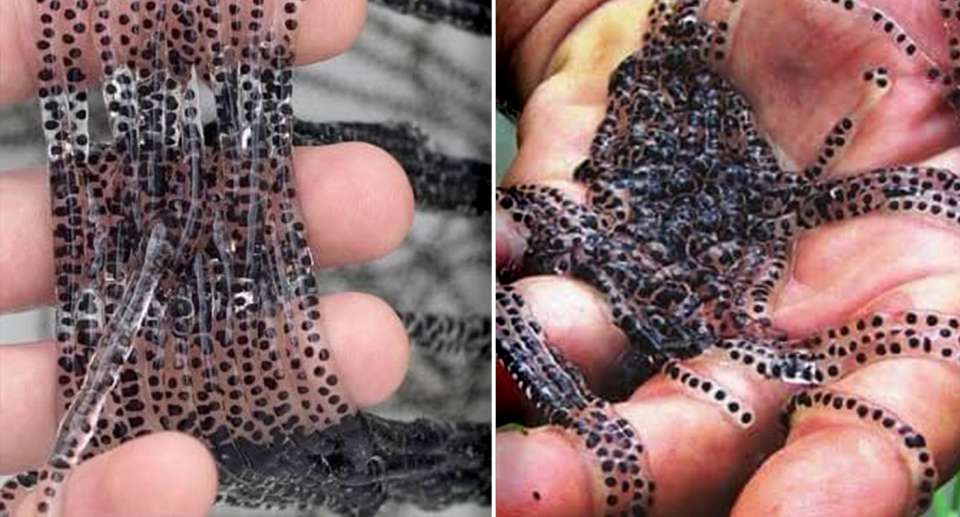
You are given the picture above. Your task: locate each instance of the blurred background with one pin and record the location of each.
(401, 69)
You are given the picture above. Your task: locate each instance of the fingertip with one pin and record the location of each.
(157, 475)
(541, 473)
(17, 62)
(576, 319)
(369, 344)
(357, 202)
(28, 399)
(511, 233)
(553, 139)
(509, 244)
(692, 439)
(26, 257)
(839, 471)
(327, 29)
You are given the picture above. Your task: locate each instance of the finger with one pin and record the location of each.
(529, 34)
(689, 443)
(510, 236)
(865, 265)
(831, 444)
(524, 462)
(577, 321)
(328, 28)
(372, 363)
(679, 431)
(833, 278)
(158, 475)
(562, 64)
(877, 489)
(355, 198)
(370, 345)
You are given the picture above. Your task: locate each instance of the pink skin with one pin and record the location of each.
(331, 28)
(703, 463)
(168, 473)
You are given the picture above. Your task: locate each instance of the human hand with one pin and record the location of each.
(800, 64)
(357, 205)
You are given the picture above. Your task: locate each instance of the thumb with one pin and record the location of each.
(559, 67)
